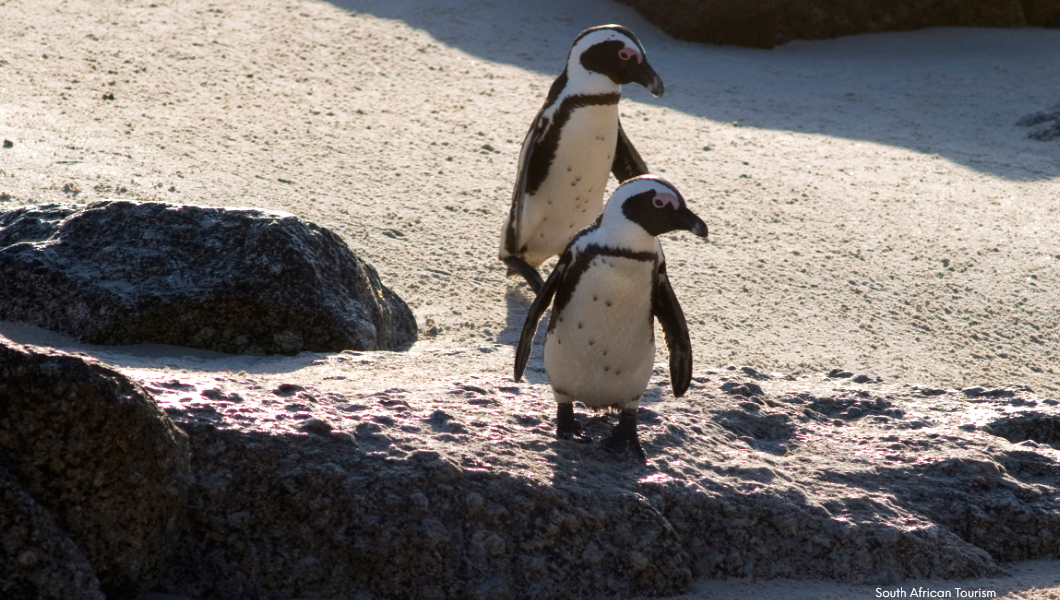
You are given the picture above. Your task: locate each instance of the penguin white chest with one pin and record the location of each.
(602, 348)
(572, 194)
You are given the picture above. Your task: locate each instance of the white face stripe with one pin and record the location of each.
(617, 230)
(609, 32)
(597, 37)
(639, 185)
(582, 81)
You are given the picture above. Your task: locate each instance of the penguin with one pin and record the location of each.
(608, 287)
(575, 141)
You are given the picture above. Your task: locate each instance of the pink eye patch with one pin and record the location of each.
(665, 199)
(628, 53)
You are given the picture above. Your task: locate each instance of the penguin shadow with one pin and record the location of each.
(587, 460)
(518, 299)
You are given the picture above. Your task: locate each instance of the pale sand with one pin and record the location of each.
(871, 204)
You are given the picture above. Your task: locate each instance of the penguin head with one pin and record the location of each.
(652, 204)
(613, 52)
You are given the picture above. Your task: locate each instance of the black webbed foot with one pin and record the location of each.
(624, 438)
(530, 274)
(567, 427)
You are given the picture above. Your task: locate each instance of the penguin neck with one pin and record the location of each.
(582, 82)
(617, 231)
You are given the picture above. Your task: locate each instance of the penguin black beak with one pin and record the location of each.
(692, 223)
(647, 77)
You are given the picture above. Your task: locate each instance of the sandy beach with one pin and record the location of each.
(872, 205)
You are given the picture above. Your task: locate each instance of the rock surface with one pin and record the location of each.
(36, 559)
(765, 24)
(93, 449)
(458, 489)
(231, 280)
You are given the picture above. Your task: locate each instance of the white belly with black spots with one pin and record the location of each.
(572, 195)
(602, 349)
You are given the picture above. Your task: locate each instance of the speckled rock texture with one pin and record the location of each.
(97, 452)
(769, 23)
(232, 280)
(36, 559)
(459, 489)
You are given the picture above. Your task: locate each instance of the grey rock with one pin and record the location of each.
(317, 426)
(979, 391)
(768, 23)
(1045, 134)
(232, 280)
(270, 517)
(37, 560)
(420, 493)
(867, 379)
(1030, 425)
(742, 389)
(97, 452)
(998, 393)
(754, 373)
(1045, 124)
(1051, 114)
(1000, 507)
(839, 374)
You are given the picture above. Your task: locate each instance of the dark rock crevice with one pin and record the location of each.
(38, 560)
(92, 448)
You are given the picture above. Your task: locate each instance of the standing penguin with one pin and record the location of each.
(609, 286)
(575, 141)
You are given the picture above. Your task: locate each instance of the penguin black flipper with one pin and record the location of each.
(541, 303)
(529, 167)
(628, 163)
(667, 309)
(526, 155)
(530, 274)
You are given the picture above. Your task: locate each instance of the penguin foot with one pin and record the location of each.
(530, 274)
(624, 437)
(567, 427)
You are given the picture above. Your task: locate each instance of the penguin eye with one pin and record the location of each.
(625, 54)
(663, 199)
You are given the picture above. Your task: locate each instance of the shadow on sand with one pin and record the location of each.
(955, 92)
(157, 356)
(518, 299)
